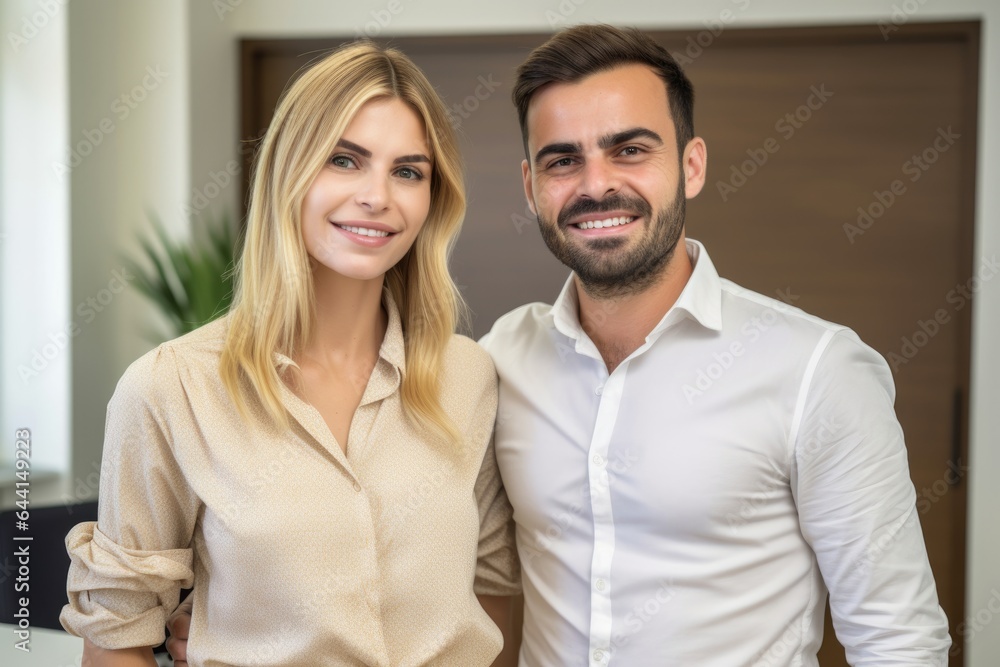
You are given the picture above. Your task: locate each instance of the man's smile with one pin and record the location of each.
(616, 221)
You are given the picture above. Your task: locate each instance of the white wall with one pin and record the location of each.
(129, 97)
(35, 345)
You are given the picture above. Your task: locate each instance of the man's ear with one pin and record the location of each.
(695, 165)
(529, 192)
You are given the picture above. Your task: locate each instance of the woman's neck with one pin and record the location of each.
(349, 321)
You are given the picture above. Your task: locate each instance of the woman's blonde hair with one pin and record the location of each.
(274, 301)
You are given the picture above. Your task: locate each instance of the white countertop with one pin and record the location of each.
(47, 648)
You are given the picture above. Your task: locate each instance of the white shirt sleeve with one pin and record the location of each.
(857, 509)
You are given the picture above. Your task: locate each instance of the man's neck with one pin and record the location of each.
(619, 325)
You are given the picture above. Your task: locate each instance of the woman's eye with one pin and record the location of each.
(343, 161)
(410, 174)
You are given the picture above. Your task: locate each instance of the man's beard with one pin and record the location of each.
(605, 273)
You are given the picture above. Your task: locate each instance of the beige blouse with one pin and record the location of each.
(300, 554)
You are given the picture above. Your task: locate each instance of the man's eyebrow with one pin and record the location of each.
(416, 157)
(610, 140)
(554, 149)
(605, 142)
(351, 146)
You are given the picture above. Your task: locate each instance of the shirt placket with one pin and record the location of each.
(604, 528)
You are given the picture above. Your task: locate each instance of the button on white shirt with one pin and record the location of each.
(692, 506)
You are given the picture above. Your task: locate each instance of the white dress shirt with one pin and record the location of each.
(693, 506)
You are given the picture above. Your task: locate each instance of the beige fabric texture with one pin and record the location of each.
(298, 553)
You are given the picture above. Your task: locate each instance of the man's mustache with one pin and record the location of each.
(615, 202)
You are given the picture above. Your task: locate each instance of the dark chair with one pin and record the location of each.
(49, 562)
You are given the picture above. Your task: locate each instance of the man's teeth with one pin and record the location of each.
(364, 231)
(600, 224)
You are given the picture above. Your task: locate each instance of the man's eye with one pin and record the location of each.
(343, 161)
(631, 151)
(562, 162)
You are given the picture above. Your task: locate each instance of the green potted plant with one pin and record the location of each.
(191, 282)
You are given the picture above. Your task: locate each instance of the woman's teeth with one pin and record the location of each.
(600, 224)
(364, 231)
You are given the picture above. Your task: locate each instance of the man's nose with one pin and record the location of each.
(599, 179)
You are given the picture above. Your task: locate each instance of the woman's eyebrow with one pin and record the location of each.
(351, 146)
(364, 152)
(416, 157)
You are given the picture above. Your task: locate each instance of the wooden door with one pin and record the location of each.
(841, 176)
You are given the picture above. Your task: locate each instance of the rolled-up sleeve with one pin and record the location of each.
(128, 568)
(498, 570)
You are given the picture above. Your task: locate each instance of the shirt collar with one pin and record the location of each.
(393, 347)
(700, 300)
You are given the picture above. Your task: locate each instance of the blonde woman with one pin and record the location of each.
(318, 463)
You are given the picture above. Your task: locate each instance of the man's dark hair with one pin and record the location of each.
(578, 52)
